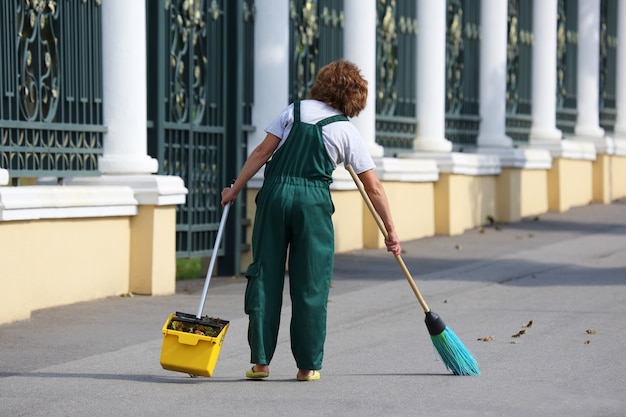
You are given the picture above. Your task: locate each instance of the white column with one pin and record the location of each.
(271, 66)
(620, 123)
(359, 46)
(543, 128)
(431, 77)
(493, 54)
(588, 81)
(124, 85)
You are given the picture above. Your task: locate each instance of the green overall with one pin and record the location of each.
(294, 212)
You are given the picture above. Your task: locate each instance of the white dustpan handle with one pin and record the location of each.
(209, 273)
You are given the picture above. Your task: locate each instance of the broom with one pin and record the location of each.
(454, 354)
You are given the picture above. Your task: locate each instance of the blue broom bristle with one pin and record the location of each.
(454, 354)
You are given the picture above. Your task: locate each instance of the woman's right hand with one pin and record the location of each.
(228, 195)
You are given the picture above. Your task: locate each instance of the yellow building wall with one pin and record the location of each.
(609, 178)
(618, 177)
(463, 202)
(570, 184)
(413, 211)
(48, 263)
(521, 193)
(534, 192)
(153, 250)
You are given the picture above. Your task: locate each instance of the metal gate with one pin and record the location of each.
(199, 113)
(567, 71)
(520, 42)
(462, 72)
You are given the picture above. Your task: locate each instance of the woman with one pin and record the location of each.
(303, 146)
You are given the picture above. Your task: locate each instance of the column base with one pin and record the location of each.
(157, 190)
(542, 135)
(524, 158)
(121, 164)
(589, 132)
(494, 141)
(619, 146)
(422, 144)
(460, 163)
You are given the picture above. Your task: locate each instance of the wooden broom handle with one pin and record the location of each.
(381, 226)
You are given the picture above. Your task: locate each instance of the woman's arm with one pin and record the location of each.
(259, 156)
(376, 193)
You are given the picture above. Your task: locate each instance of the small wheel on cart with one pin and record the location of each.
(193, 375)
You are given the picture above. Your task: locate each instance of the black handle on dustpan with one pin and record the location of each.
(209, 273)
(379, 222)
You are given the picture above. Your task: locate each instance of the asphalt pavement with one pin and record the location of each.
(541, 304)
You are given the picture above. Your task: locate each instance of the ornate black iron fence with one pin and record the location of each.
(51, 88)
(567, 71)
(316, 38)
(462, 71)
(199, 110)
(608, 64)
(396, 83)
(519, 69)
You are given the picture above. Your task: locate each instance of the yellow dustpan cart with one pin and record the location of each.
(192, 343)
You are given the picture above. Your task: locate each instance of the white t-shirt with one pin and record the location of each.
(342, 140)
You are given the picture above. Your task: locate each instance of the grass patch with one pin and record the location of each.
(188, 269)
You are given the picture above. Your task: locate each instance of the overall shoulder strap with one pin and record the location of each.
(296, 111)
(331, 119)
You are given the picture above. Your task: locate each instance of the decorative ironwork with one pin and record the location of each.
(567, 55)
(519, 68)
(37, 53)
(51, 93)
(386, 58)
(396, 84)
(306, 47)
(462, 71)
(189, 64)
(455, 62)
(608, 64)
(396, 132)
(316, 39)
(567, 51)
(199, 110)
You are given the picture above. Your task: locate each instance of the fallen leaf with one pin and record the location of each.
(518, 334)
(485, 339)
(591, 331)
(587, 341)
(529, 324)
(458, 247)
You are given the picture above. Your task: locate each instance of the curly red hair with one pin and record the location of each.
(341, 86)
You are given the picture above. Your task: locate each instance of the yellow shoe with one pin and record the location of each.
(316, 376)
(252, 374)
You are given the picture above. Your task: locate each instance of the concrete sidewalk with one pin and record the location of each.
(564, 272)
